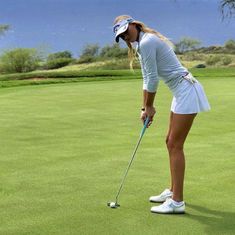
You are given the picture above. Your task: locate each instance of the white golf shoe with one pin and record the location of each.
(161, 197)
(169, 207)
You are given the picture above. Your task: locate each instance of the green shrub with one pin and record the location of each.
(226, 60)
(119, 64)
(86, 59)
(230, 45)
(191, 56)
(20, 60)
(200, 66)
(213, 59)
(61, 54)
(57, 63)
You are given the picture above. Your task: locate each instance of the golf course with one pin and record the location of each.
(66, 142)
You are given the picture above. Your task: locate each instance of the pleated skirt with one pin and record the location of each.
(189, 98)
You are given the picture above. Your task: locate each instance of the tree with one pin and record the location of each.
(58, 60)
(61, 54)
(227, 8)
(90, 50)
(3, 28)
(113, 51)
(186, 44)
(230, 45)
(89, 53)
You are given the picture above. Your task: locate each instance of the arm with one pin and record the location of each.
(150, 78)
(148, 98)
(148, 109)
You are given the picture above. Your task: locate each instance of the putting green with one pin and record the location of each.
(64, 149)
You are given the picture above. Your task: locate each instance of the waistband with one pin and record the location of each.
(189, 77)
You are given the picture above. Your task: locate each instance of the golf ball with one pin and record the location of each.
(112, 204)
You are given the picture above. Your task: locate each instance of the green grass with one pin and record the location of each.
(53, 77)
(64, 149)
(68, 76)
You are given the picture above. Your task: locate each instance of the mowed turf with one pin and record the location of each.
(65, 147)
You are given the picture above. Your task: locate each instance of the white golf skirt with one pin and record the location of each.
(189, 97)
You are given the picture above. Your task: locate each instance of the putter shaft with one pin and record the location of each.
(132, 158)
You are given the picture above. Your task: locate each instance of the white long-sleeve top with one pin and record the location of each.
(158, 61)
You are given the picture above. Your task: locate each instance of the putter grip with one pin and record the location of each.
(145, 126)
(146, 122)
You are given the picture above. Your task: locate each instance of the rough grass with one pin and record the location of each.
(53, 77)
(64, 149)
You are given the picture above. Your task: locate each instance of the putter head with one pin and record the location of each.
(113, 205)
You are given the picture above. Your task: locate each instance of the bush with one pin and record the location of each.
(191, 56)
(57, 63)
(213, 60)
(200, 66)
(86, 59)
(226, 60)
(219, 60)
(20, 60)
(230, 45)
(118, 64)
(227, 49)
(57, 55)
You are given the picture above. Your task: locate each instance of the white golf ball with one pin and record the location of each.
(112, 204)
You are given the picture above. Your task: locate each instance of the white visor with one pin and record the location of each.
(121, 27)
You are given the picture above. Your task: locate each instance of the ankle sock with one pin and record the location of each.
(177, 203)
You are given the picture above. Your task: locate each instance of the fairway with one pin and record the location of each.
(65, 147)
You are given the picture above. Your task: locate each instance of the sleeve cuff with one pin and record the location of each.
(152, 86)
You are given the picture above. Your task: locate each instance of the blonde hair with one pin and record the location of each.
(143, 28)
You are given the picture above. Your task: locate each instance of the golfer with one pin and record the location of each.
(158, 61)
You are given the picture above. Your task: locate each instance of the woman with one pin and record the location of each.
(158, 59)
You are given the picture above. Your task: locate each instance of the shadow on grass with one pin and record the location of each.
(216, 222)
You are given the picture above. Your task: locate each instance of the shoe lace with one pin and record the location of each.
(167, 203)
(166, 191)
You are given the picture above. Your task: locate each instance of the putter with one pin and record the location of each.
(115, 204)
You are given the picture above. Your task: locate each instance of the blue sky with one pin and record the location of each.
(58, 25)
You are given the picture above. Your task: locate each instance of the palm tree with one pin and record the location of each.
(227, 8)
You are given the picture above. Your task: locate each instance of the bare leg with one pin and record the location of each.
(167, 138)
(179, 129)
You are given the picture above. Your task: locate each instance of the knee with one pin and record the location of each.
(173, 145)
